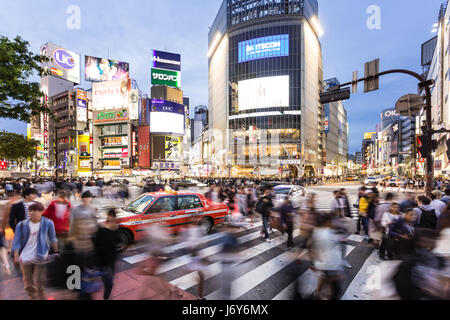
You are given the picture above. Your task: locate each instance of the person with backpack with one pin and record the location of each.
(427, 217)
(264, 206)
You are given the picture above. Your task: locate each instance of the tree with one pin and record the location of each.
(17, 147)
(20, 98)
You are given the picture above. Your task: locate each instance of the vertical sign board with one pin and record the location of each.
(144, 146)
(326, 126)
(81, 106)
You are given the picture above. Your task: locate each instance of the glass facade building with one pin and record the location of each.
(265, 74)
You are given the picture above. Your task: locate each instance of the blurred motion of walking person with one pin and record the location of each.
(401, 232)
(106, 241)
(327, 258)
(31, 248)
(59, 212)
(287, 214)
(264, 207)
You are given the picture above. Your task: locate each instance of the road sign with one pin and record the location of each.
(371, 69)
(354, 82)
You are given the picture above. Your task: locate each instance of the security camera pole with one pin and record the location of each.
(371, 83)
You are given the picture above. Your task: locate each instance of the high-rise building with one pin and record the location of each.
(69, 142)
(336, 139)
(265, 74)
(436, 62)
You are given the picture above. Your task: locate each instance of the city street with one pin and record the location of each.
(265, 270)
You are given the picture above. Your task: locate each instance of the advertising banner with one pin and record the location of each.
(100, 69)
(166, 60)
(134, 104)
(112, 94)
(172, 148)
(265, 47)
(84, 162)
(144, 112)
(166, 77)
(144, 146)
(326, 124)
(167, 117)
(111, 116)
(81, 106)
(267, 92)
(368, 135)
(65, 64)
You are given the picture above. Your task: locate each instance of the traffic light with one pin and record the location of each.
(425, 147)
(336, 95)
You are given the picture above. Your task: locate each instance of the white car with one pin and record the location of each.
(370, 180)
(298, 194)
(393, 182)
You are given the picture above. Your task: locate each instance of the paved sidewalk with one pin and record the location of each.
(128, 285)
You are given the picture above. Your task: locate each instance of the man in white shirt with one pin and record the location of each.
(31, 248)
(436, 202)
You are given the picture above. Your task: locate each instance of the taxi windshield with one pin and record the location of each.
(140, 204)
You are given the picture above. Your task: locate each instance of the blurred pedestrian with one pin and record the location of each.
(264, 207)
(85, 211)
(401, 232)
(106, 241)
(31, 248)
(59, 212)
(420, 275)
(388, 218)
(19, 210)
(287, 214)
(427, 217)
(326, 258)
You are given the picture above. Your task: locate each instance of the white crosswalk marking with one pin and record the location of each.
(178, 262)
(212, 270)
(308, 280)
(251, 279)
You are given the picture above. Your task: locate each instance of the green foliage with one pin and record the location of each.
(17, 147)
(20, 99)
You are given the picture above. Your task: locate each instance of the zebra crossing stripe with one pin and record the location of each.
(251, 279)
(308, 281)
(212, 270)
(182, 260)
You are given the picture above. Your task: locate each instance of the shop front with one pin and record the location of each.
(112, 136)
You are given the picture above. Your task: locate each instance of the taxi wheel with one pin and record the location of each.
(125, 239)
(206, 225)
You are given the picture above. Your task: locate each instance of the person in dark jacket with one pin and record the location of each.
(401, 232)
(19, 210)
(418, 276)
(287, 213)
(264, 206)
(105, 241)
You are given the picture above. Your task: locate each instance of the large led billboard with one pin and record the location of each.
(98, 69)
(267, 92)
(166, 77)
(166, 117)
(65, 64)
(166, 60)
(265, 47)
(111, 94)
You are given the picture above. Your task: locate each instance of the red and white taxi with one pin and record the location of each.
(173, 210)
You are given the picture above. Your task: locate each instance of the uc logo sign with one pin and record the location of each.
(64, 59)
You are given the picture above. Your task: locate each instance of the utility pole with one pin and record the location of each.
(372, 84)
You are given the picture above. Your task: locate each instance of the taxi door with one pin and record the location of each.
(190, 211)
(162, 211)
